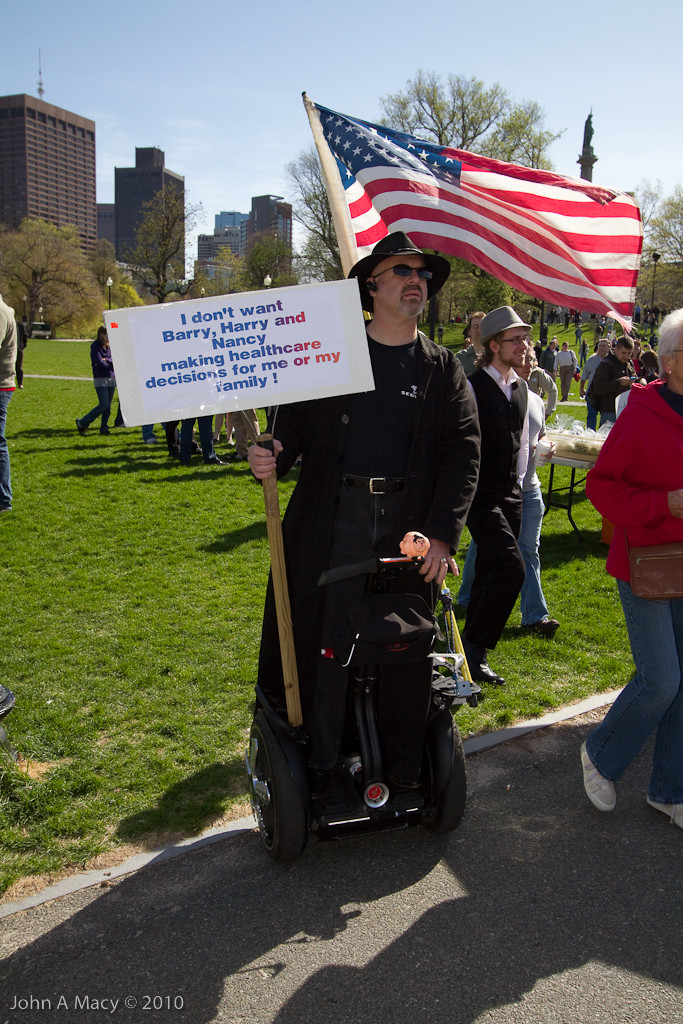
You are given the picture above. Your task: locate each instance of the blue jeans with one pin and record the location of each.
(534, 608)
(5, 485)
(653, 700)
(205, 427)
(591, 416)
(105, 395)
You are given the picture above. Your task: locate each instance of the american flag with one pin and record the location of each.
(561, 239)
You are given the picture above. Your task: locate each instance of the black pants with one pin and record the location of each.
(19, 367)
(172, 438)
(365, 525)
(499, 569)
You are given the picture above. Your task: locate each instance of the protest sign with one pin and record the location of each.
(199, 357)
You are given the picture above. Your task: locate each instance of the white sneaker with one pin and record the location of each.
(600, 791)
(675, 811)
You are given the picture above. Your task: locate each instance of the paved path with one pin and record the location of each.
(538, 909)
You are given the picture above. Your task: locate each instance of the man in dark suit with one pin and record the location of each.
(495, 514)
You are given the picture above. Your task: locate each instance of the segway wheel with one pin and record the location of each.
(277, 802)
(447, 774)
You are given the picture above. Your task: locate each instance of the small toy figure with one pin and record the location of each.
(414, 544)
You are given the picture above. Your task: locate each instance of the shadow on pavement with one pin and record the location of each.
(537, 896)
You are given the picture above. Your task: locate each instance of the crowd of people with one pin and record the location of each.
(445, 442)
(180, 438)
(463, 454)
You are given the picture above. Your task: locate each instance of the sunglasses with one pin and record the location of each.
(402, 270)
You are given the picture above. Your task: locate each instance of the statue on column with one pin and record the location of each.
(587, 157)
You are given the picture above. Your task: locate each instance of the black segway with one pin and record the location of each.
(388, 627)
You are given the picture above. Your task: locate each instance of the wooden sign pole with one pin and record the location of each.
(281, 591)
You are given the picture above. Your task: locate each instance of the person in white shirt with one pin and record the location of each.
(533, 604)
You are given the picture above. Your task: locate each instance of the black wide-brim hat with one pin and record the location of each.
(398, 244)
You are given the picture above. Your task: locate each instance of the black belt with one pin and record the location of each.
(375, 484)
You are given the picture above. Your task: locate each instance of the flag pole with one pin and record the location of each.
(341, 217)
(278, 570)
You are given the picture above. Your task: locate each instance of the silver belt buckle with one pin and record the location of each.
(380, 480)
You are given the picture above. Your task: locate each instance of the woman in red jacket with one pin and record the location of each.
(637, 483)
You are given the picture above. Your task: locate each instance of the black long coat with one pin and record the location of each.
(440, 484)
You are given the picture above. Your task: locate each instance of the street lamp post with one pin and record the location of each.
(24, 300)
(109, 283)
(655, 259)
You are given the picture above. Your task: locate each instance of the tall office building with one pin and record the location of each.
(106, 222)
(134, 186)
(228, 237)
(273, 215)
(229, 219)
(47, 166)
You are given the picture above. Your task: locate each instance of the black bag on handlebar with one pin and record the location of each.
(382, 629)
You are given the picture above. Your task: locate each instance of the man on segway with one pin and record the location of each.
(375, 465)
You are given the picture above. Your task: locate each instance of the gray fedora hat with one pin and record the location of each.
(500, 319)
(398, 244)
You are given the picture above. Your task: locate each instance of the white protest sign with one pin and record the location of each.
(199, 357)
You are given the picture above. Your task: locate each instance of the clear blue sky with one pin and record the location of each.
(218, 86)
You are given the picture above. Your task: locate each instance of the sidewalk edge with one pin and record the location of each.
(472, 745)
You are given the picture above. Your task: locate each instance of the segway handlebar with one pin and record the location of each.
(369, 567)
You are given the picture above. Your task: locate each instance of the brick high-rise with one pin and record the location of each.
(47, 166)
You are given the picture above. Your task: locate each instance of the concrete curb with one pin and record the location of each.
(140, 860)
(476, 744)
(472, 745)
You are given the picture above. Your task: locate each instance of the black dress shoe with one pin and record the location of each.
(214, 461)
(483, 673)
(480, 670)
(546, 627)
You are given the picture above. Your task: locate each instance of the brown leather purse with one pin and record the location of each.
(657, 571)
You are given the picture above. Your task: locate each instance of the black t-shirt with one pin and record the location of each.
(381, 421)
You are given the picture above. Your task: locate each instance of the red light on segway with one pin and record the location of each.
(374, 792)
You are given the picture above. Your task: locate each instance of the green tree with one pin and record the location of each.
(456, 114)
(648, 197)
(225, 275)
(267, 256)
(319, 259)
(46, 263)
(520, 137)
(463, 113)
(663, 227)
(103, 263)
(157, 262)
(666, 227)
(104, 268)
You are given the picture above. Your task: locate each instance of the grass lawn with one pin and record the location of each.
(132, 591)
